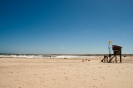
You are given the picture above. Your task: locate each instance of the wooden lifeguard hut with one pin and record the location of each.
(117, 50)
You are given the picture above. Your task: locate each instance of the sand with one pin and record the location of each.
(65, 73)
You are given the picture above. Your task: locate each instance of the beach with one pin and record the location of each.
(65, 73)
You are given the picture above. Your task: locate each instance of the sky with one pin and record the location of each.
(65, 26)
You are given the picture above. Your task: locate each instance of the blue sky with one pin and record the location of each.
(65, 26)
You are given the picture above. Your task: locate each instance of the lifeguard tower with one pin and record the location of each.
(117, 50)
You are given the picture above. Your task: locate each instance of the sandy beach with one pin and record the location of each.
(65, 73)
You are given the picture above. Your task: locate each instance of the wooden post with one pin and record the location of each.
(120, 57)
(107, 59)
(116, 59)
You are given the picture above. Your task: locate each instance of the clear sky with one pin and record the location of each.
(65, 26)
